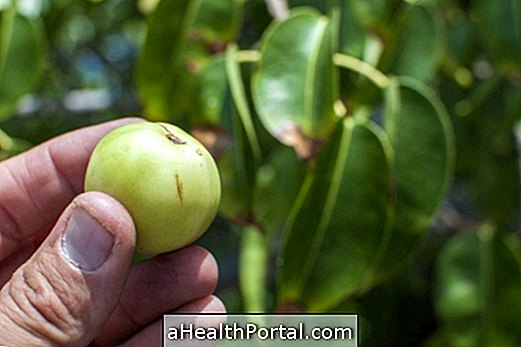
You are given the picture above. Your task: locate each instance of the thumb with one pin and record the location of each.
(66, 291)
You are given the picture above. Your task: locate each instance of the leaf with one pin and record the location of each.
(458, 296)
(339, 221)
(22, 57)
(212, 93)
(373, 14)
(295, 82)
(219, 21)
(10, 146)
(416, 46)
(177, 48)
(240, 101)
(277, 184)
(500, 24)
(162, 60)
(478, 278)
(422, 138)
(352, 36)
(225, 125)
(487, 157)
(253, 263)
(320, 5)
(238, 168)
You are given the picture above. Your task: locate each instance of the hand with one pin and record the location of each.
(65, 257)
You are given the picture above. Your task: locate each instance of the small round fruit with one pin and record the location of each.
(165, 178)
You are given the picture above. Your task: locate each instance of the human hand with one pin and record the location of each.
(65, 257)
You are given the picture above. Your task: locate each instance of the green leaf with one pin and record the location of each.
(295, 84)
(238, 168)
(237, 89)
(373, 14)
(478, 280)
(422, 138)
(212, 93)
(10, 146)
(22, 57)
(320, 5)
(487, 156)
(352, 36)
(180, 37)
(339, 221)
(253, 269)
(162, 64)
(458, 296)
(219, 21)
(225, 118)
(416, 45)
(500, 24)
(277, 184)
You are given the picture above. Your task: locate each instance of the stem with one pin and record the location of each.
(478, 96)
(363, 68)
(248, 56)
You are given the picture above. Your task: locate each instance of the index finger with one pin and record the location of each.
(37, 185)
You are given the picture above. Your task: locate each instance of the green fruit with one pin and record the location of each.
(165, 178)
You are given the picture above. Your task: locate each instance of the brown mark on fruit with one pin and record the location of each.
(179, 185)
(172, 137)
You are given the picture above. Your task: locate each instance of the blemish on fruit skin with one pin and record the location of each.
(179, 185)
(172, 137)
(199, 152)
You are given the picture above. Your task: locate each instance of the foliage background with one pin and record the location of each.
(456, 281)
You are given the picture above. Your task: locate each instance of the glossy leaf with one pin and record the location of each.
(416, 45)
(339, 221)
(237, 167)
(162, 59)
(421, 134)
(500, 24)
(176, 49)
(352, 36)
(277, 184)
(295, 83)
(22, 57)
(478, 282)
(239, 164)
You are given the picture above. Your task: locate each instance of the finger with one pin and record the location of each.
(23, 252)
(159, 285)
(37, 185)
(209, 304)
(68, 289)
(152, 334)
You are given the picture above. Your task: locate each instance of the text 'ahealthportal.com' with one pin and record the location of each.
(271, 330)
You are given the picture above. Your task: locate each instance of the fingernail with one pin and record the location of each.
(86, 243)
